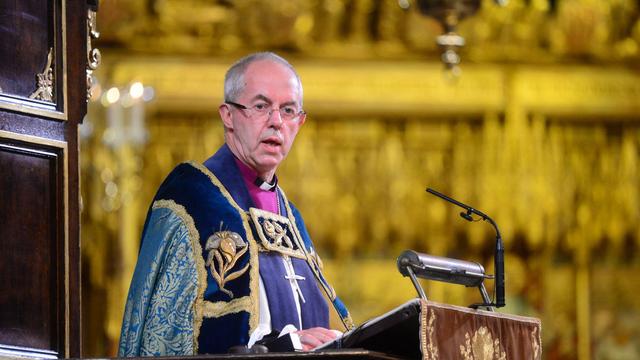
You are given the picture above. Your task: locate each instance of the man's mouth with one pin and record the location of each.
(272, 141)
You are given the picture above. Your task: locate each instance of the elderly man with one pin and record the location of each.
(225, 259)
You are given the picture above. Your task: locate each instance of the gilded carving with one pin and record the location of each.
(44, 91)
(93, 54)
(604, 30)
(482, 346)
(224, 249)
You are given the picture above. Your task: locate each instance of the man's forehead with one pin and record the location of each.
(266, 75)
(270, 67)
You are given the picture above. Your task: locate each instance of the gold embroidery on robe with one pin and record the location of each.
(275, 233)
(224, 249)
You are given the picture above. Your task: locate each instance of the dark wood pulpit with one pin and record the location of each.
(43, 98)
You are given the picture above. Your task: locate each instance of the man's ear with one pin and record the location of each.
(225, 115)
(303, 118)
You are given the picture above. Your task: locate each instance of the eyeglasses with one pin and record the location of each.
(287, 112)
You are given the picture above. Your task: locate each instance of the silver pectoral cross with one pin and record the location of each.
(293, 278)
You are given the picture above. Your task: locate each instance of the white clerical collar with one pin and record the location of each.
(264, 185)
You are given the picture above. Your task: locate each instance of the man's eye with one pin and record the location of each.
(289, 110)
(261, 107)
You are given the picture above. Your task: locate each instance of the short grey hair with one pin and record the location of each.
(234, 78)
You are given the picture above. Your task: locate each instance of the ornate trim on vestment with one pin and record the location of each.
(221, 308)
(254, 307)
(275, 233)
(194, 237)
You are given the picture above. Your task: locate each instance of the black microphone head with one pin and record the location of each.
(466, 216)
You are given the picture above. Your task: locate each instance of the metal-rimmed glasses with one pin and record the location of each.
(287, 112)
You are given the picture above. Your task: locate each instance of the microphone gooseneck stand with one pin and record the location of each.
(499, 250)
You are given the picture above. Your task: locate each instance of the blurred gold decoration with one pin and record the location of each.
(449, 13)
(45, 80)
(93, 54)
(530, 31)
(111, 177)
(541, 131)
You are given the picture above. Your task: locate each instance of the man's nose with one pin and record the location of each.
(275, 119)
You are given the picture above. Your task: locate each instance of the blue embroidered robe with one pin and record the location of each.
(189, 294)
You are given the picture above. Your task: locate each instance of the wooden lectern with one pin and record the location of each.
(428, 330)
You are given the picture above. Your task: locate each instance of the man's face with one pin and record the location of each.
(262, 141)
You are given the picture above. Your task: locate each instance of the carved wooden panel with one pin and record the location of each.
(43, 76)
(32, 54)
(33, 185)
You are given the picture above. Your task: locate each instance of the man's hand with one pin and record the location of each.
(310, 338)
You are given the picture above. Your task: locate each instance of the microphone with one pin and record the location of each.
(499, 250)
(469, 274)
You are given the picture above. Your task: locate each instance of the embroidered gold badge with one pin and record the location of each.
(224, 249)
(482, 346)
(275, 233)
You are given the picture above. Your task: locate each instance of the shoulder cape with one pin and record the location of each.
(195, 286)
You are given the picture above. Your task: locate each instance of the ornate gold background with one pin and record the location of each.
(541, 131)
